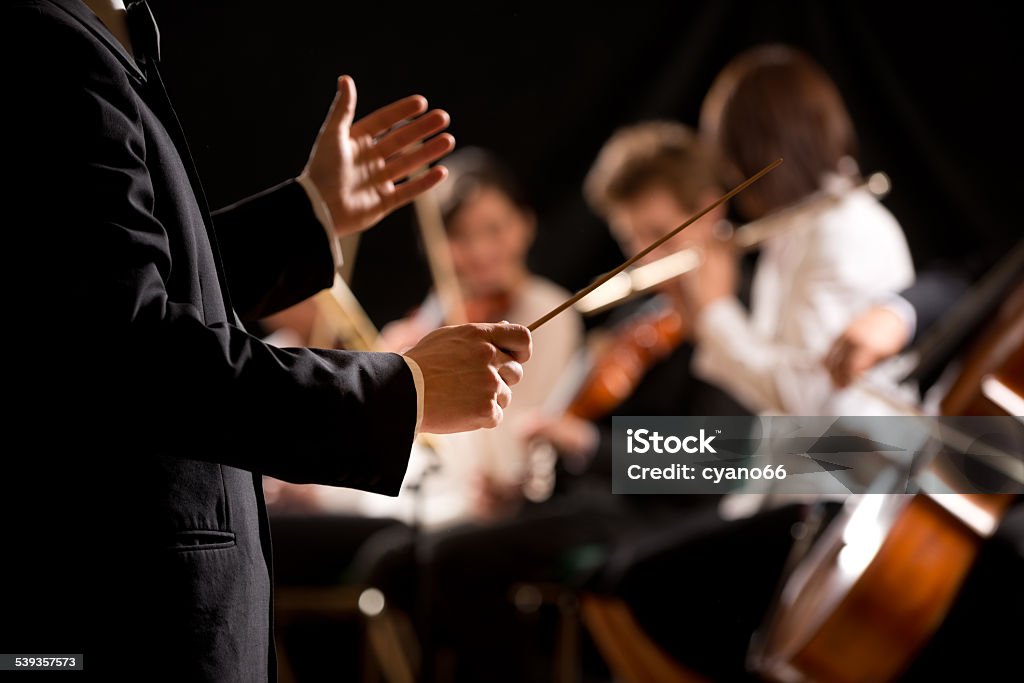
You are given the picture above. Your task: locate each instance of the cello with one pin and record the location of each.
(878, 582)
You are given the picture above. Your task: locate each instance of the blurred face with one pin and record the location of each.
(489, 237)
(652, 214)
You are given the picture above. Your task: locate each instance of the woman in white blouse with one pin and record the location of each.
(825, 267)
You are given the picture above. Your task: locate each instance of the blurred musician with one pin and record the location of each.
(489, 227)
(647, 179)
(828, 264)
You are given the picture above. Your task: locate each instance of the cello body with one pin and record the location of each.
(881, 578)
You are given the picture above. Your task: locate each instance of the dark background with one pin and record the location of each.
(933, 94)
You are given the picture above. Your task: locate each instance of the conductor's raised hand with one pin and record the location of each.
(468, 374)
(363, 169)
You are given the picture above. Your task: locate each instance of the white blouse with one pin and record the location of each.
(811, 280)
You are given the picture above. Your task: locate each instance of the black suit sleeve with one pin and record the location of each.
(114, 357)
(275, 250)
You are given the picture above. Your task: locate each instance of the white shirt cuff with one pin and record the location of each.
(903, 310)
(417, 379)
(323, 214)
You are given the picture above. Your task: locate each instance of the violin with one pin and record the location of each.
(635, 348)
(487, 308)
(610, 377)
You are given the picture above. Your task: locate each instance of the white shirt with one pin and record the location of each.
(811, 281)
(114, 17)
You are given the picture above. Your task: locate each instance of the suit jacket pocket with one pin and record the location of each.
(202, 539)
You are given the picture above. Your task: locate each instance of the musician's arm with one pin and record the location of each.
(757, 372)
(855, 257)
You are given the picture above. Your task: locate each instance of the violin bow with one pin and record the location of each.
(439, 258)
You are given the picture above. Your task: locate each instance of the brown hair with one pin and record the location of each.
(657, 153)
(774, 101)
(470, 170)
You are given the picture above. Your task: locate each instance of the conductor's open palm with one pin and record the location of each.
(358, 168)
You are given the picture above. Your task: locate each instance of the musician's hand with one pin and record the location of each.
(575, 439)
(467, 372)
(715, 278)
(355, 166)
(877, 334)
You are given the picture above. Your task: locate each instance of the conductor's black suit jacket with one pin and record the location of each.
(134, 528)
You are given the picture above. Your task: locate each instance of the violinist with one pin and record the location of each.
(489, 228)
(647, 179)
